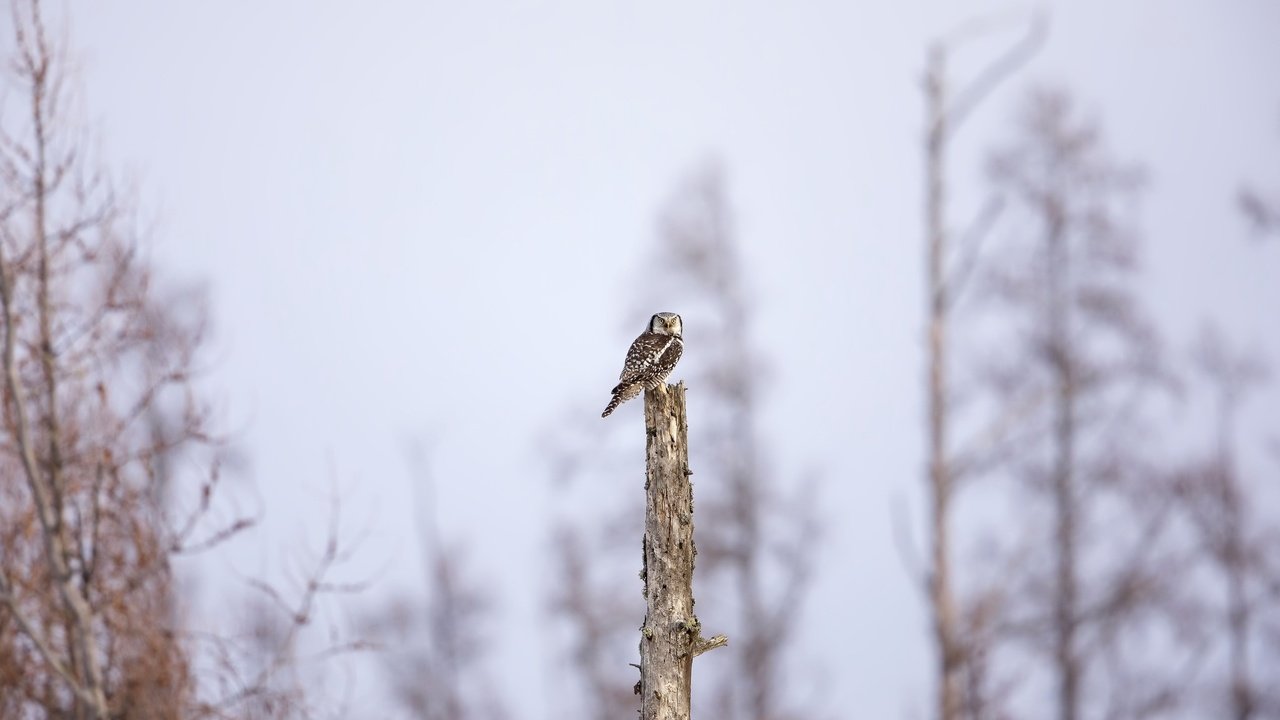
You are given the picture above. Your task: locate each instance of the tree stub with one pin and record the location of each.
(670, 637)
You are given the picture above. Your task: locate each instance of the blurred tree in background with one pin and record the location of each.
(1104, 571)
(949, 264)
(432, 647)
(102, 423)
(1232, 568)
(1076, 362)
(98, 400)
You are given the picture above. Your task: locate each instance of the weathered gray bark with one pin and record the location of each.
(670, 637)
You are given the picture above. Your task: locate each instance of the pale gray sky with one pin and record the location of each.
(396, 206)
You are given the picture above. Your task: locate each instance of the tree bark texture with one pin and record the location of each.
(670, 637)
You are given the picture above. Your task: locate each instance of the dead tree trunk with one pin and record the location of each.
(670, 637)
(942, 603)
(1066, 531)
(945, 113)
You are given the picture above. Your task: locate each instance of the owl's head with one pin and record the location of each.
(665, 323)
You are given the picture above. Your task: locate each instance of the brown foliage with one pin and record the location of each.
(98, 398)
(103, 433)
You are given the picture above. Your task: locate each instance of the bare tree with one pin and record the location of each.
(1080, 364)
(947, 272)
(1231, 536)
(599, 620)
(267, 666)
(108, 465)
(591, 597)
(94, 363)
(432, 648)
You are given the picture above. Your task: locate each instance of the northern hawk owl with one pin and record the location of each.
(650, 360)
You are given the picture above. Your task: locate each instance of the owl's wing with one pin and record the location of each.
(644, 352)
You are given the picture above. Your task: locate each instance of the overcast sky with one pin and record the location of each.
(425, 220)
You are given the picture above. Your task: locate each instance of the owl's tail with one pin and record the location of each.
(621, 394)
(613, 405)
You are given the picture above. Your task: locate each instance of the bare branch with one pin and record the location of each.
(972, 95)
(42, 646)
(971, 243)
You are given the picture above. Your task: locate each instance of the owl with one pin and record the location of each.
(650, 360)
